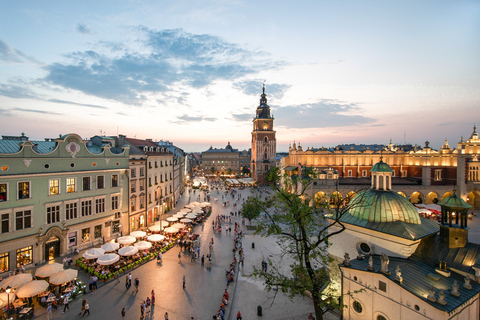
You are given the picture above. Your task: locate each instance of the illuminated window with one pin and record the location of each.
(86, 235)
(4, 263)
(71, 185)
(98, 231)
(438, 175)
(142, 185)
(23, 190)
(114, 180)
(3, 192)
(53, 186)
(24, 256)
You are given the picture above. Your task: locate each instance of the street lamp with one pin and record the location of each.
(8, 300)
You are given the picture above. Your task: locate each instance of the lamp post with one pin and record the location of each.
(8, 300)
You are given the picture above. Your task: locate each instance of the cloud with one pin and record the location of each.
(187, 118)
(5, 112)
(82, 28)
(7, 54)
(17, 92)
(77, 104)
(254, 87)
(243, 117)
(322, 114)
(158, 61)
(36, 111)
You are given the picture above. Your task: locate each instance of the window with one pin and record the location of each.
(133, 203)
(357, 306)
(438, 175)
(71, 211)
(380, 317)
(142, 202)
(150, 198)
(170, 176)
(404, 173)
(364, 173)
(4, 262)
(100, 205)
(86, 206)
(349, 173)
(3, 192)
(382, 286)
(156, 164)
(365, 247)
(86, 183)
(5, 223)
(149, 181)
(116, 226)
(100, 182)
(53, 186)
(23, 219)
(86, 235)
(53, 214)
(142, 185)
(24, 256)
(115, 202)
(71, 185)
(142, 172)
(170, 189)
(133, 173)
(98, 231)
(23, 190)
(156, 180)
(133, 186)
(114, 180)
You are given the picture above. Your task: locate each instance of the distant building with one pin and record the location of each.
(179, 168)
(224, 161)
(59, 194)
(264, 142)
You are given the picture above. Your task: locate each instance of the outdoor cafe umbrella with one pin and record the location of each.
(424, 211)
(179, 225)
(32, 288)
(93, 253)
(171, 230)
(143, 245)
(180, 214)
(172, 219)
(16, 280)
(186, 220)
(190, 206)
(63, 276)
(205, 204)
(49, 269)
(110, 246)
(127, 251)
(156, 237)
(108, 259)
(5, 297)
(158, 227)
(138, 234)
(195, 203)
(186, 210)
(191, 215)
(197, 210)
(126, 240)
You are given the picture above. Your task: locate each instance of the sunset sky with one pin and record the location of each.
(192, 71)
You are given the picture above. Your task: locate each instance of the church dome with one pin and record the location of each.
(383, 206)
(381, 167)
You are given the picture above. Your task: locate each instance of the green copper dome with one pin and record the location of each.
(381, 167)
(454, 202)
(383, 206)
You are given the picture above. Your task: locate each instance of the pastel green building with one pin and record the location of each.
(57, 195)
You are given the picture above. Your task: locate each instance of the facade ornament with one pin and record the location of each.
(455, 291)
(40, 231)
(64, 224)
(398, 275)
(370, 264)
(27, 162)
(346, 262)
(385, 261)
(467, 284)
(72, 148)
(107, 160)
(431, 295)
(441, 298)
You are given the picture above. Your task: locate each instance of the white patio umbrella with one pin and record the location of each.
(110, 246)
(16, 280)
(172, 219)
(156, 237)
(32, 288)
(171, 230)
(191, 215)
(108, 259)
(425, 211)
(159, 226)
(127, 251)
(126, 240)
(186, 210)
(197, 210)
(180, 214)
(179, 225)
(195, 203)
(93, 253)
(63, 276)
(186, 220)
(4, 298)
(138, 234)
(49, 269)
(190, 206)
(143, 245)
(205, 204)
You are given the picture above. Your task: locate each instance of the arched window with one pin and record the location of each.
(265, 156)
(265, 139)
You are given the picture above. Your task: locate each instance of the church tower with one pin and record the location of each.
(264, 143)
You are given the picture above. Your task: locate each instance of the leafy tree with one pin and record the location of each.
(212, 169)
(303, 233)
(245, 170)
(229, 171)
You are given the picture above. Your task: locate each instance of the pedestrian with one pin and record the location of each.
(239, 316)
(179, 257)
(87, 309)
(137, 282)
(65, 303)
(153, 297)
(142, 310)
(183, 282)
(166, 316)
(129, 280)
(310, 317)
(203, 260)
(83, 306)
(126, 282)
(123, 313)
(49, 312)
(266, 264)
(263, 265)
(117, 275)
(95, 279)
